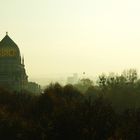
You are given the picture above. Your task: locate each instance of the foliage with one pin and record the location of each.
(109, 110)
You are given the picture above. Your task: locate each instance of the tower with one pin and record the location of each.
(12, 70)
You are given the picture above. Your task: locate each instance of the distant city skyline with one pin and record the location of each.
(74, 36)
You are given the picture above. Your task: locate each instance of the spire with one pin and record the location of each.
(23, 60)
(6, 33)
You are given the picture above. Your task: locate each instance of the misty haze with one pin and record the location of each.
(69, 70)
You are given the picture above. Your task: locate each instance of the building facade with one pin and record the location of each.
(12, 69)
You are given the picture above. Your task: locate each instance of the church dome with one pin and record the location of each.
(8, 48)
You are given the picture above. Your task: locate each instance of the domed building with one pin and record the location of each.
(12, 70)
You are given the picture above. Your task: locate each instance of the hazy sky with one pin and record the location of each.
(68, 36)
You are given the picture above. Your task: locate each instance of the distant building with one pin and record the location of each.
(12, 69)
(34, 87)
(72, 79)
